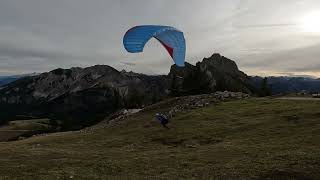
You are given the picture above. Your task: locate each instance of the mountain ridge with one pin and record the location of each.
(287, 84)
(4, 80)
(82, 96)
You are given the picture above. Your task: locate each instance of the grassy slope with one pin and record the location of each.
(253, 138)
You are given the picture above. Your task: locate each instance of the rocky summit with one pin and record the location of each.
(216, 73)
(82, 96)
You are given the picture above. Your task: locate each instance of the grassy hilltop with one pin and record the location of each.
(246, 139)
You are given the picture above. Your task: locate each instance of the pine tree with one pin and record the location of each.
(265, 89)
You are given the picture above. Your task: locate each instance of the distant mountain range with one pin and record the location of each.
(4, 80)
(280, 85)
(8, 79)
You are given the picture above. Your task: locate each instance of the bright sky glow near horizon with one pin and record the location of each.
(263, 37)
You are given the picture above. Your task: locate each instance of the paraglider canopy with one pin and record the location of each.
(172, 39)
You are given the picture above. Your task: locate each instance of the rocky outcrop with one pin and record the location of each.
(216, 73)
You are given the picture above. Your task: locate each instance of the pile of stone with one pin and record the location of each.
(121, 115)
(316, 95)
(199, 101)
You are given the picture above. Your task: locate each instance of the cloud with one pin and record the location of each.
(299, 60)
(42, 35)
(128, 63)
(267, 26)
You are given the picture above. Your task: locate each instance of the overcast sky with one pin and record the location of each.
(264, 37)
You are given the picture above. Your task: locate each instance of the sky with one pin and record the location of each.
(264, 38)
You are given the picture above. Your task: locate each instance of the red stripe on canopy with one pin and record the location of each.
(168, 48)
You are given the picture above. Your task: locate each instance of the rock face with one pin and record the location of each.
(82, 96)
(216, 73)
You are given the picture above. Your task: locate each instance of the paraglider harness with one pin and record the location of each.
(164, 120)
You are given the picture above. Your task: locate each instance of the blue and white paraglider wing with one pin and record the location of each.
(171, 38)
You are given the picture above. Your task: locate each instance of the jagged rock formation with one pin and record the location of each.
(216, 73)
(82, 96)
